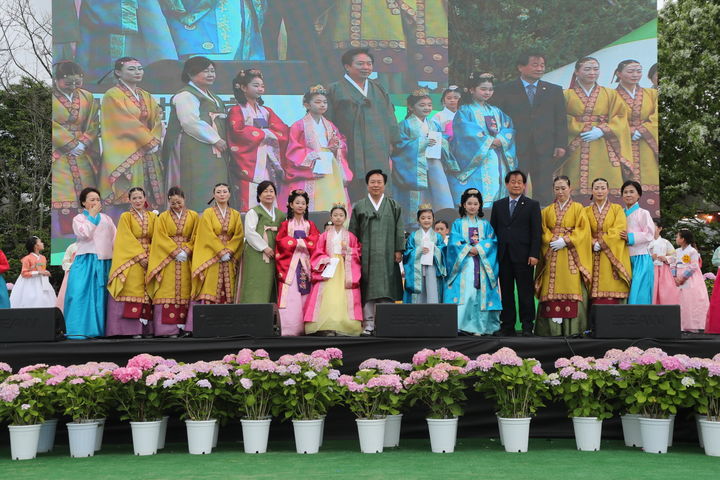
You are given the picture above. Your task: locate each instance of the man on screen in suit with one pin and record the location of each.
(517, 224)
(537, 109)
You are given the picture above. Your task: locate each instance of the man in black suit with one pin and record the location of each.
(537, 109)
(517, 224)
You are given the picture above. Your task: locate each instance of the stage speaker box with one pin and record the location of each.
(31, 325)
(635, 321)
(415, 320)
(231, 320)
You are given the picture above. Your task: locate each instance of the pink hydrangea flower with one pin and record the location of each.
(204, 383)
(4, 367)
(537, 369)
(127, 374)
(246, 383)
(567, 371)
(77, 381)
(9, 391)
(32, 368)
(143, 361)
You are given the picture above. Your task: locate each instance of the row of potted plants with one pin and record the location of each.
(645, 387)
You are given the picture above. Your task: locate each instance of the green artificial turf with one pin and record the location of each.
(555, 459)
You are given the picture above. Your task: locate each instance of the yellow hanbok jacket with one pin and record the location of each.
(169, 281)
(213, 281)
(608, 157)
(643, 116)
(611, 270)
(132, 246)
(560, 273)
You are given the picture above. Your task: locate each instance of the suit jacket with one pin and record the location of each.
(541, 127)
(519, 236)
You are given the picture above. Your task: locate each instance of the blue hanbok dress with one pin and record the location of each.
(472, 282)
(424, 283)
(481, 165)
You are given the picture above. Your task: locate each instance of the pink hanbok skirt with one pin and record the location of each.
(712, 325)
(694, 302)
(665, 291)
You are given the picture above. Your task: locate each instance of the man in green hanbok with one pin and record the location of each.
(376, 221)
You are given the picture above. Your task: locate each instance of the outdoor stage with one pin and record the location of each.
(479, 418)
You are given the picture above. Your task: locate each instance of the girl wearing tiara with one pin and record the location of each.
(483, 142)
(418, 167)
(444, 118)
(316, 156)
(423, 260)
(257, 139)
(334, 306)
(32, 288)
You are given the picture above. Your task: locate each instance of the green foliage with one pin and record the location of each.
(443, 395)
(654, 392)
(198, 400)
(595, 395)
(517, 390)
(260, 399)
(368, 398)
(85, 399)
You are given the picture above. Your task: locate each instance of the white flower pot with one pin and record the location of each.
(502, 440)
(588, 431)
(200, 435)
(215, 434)
(711, 436)
(671, 430)
(631, 429)
(515, 433)
(392, 430)
(371, 433)
(82, 438)
(47, 436)
(255, 435)
(307, 435)
(145, 437)
(698, 417)
(654, 432)
(322, 430)
(24, 441)
(162, 433)
(100, 432)
(443, 433)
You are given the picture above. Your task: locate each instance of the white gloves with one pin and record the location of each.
(558, 244)
(225, 258)
(181, 257)
(593, 134)
(78, 150)
(596, 247)
(637, 135)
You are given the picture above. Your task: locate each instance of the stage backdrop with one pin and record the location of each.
(298, 43)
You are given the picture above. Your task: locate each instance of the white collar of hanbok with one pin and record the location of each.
(132, 90)
(37, 255)
(633, 93)
(587, 92)
(363, 90)
(376, 205)
(222, 212)
(270, 212)
(177, 214)
(602, 207)
(203, 93)
(448, 112)
(563, 205)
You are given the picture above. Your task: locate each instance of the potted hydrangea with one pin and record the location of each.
(703, 383)
(21, 400)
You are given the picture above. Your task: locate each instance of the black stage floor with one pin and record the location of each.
(477, 421)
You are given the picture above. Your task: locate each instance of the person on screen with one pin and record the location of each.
(258, 284)
(565, 265)
(418, 169)
(334, 307)
(653, 75)
(217, 250)
(443, 119)
(257, 138)
(75, 130)
(517, 223)
(598, 131)
(611, 268)
(4, 267)
(195, 148)
(86, 296)
(131, 126)
(712, 324)
(168, 271)
(662, 252)
(537, 109)
(295, 242)
(129, 310)
(363, 112)
(694, 301)
(640, 232)
(643, 119)
(32, 288)
(376, 221)
(424, 261)
(472, 269)
(483, 142)
(316, 156)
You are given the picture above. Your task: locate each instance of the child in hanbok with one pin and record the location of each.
(334, 306)
(4, 267)
(444, 118)
(295, 243)
(640, 232)
(419, 166)
(316, 156)
(257, 139)
(712, 324)
(423, 261)
(694, 301)
(483, 143)
(32, 288)
(472, 267)
(662, 252)
(68, 259)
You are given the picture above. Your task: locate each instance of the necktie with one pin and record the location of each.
(530, 89)
(513, 203)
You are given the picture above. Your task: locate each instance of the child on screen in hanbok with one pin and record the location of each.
(694, 300)
(420, 159)
(662, 252)
(444, 118)
(316, 156)
(334, 307)
(257, 139)
(423, 261)
(32, 288)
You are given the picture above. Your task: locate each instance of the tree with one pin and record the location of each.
(25, 41)
(688, 38)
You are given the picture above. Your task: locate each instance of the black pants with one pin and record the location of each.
(512, 273)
